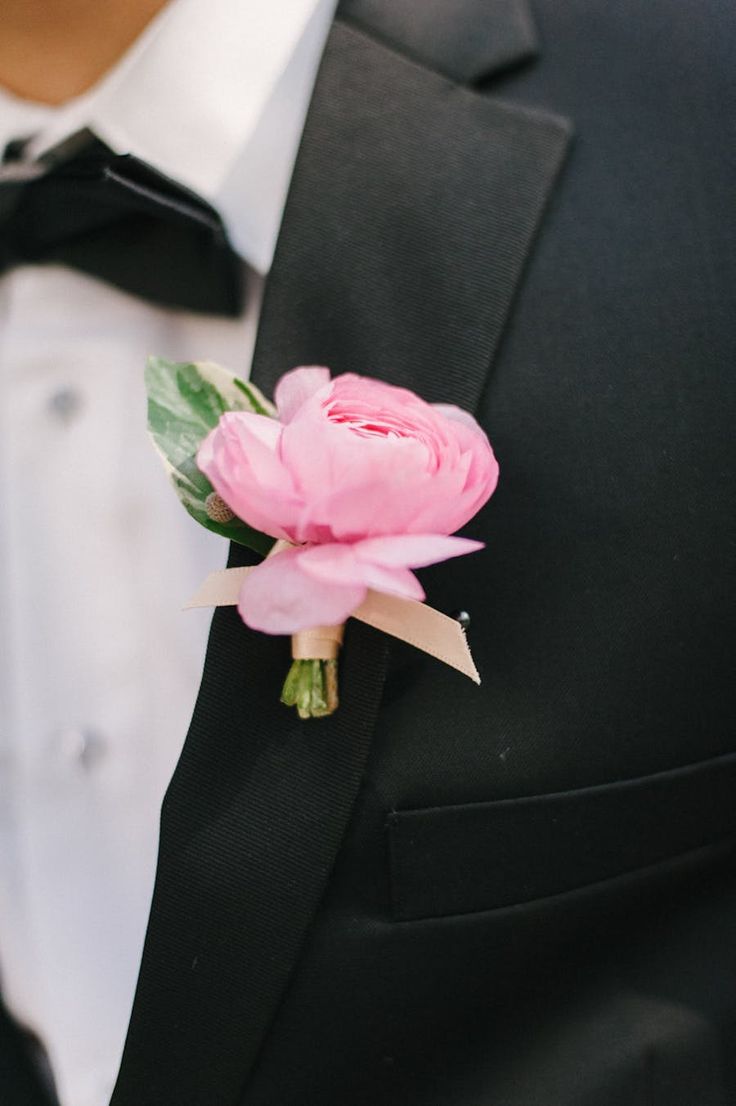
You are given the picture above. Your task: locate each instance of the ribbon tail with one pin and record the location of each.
(421, 626)
(220, 589)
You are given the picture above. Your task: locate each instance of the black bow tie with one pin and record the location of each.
(118, 219)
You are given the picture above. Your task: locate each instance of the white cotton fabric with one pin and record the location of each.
(100, 666)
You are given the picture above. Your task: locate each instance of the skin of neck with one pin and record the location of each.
(53, 50)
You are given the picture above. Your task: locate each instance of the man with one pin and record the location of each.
(440, 896)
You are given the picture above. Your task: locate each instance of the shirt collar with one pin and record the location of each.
(213, 94)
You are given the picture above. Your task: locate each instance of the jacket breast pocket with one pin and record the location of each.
(483, 856)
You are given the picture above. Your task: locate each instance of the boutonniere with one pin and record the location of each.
(345, 485)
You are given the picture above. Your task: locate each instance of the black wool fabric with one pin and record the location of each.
(288, 787)
(522, 894)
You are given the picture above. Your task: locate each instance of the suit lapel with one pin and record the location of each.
(412, 208)
(466, 40)
(411, 211)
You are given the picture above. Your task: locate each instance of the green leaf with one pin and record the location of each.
(185, 402)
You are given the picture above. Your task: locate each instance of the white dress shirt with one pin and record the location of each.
(100, 666)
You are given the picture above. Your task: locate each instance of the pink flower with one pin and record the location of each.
(365, 479)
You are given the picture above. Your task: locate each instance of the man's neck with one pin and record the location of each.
(53, 50)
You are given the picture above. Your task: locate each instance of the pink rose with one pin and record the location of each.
(366, 479)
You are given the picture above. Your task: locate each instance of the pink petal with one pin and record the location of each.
(296, 387)
(240, 457)
(393, 581)
(413, 550)
(373, 487)
(241, 439)
(333, 562)
(457, 414)
(337, 563)
(279, 598)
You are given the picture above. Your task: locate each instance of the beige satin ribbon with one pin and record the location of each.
(415, 623)
(319, 644)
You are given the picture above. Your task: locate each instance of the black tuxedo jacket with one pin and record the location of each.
(523, 894)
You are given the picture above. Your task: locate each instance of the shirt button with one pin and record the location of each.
(64, 404)
(81, 745)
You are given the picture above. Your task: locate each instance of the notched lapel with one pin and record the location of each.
(411, 211)
(467, 40)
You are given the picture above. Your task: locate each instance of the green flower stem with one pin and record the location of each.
(311, 687)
